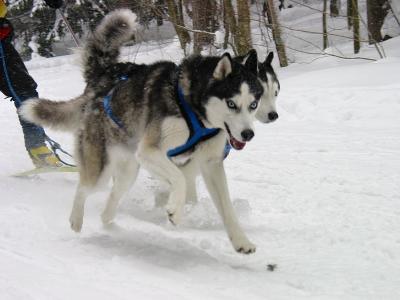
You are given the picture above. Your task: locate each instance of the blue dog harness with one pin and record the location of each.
(198, 132)
(107, 106)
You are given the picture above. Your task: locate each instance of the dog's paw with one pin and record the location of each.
(76, 221)
(243, 245)
(107, 217)
(174, 215)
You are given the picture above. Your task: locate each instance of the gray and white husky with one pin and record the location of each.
(222, 93)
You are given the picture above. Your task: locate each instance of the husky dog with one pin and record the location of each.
(146, 117)
(267, 109)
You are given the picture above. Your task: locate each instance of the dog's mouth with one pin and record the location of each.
(237, 145)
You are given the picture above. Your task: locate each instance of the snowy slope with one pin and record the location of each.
(317, 191)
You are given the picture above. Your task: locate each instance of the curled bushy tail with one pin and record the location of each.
(100, 58)
(59, 115)
(103, 46)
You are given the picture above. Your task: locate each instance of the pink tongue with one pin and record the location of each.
(236, 144)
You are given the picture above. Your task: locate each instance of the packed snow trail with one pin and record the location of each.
(317, 191)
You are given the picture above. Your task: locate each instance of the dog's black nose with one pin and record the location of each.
(273, 116)
(247, 134)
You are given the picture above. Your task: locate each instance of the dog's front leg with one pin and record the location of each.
(190, 171)
(215, 180)
(157, 163)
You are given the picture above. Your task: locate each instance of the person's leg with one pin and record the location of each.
(16, 83)
(34, 135)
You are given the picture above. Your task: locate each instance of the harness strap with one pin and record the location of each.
(107, 105)
(198, 132)
(108, 110)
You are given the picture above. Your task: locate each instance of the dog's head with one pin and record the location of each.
(233, 98)
(267, 109)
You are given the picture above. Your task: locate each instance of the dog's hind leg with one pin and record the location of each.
(157, 163)
(92, 163)
(124, 176)
(215, 180)
(76, 218)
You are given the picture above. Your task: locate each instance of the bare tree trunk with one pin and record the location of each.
(349, 14)
(176, 17)
(334, 8)
(239, 27)
(276, 33)
(356, 26)
(187, 5)
(376, 13)
(159, 8)
(215, 15)
(226, 25)
(324, 25)
(199, 23)
(231, 21)
(244, 40)
(204, 20)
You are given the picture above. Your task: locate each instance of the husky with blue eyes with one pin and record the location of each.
(165, 118)
(266, 112)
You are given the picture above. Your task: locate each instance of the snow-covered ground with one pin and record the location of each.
(317, 191)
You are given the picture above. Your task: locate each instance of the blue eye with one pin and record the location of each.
(231, 104)
(253, 105)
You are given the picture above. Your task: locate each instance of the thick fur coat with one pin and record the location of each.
(223, 93)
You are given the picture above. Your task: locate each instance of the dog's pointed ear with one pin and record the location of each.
(269, 58)
(224, 67)
(250, 61)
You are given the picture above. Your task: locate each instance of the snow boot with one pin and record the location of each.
(43, 157)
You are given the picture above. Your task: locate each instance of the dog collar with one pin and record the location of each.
(198, 132)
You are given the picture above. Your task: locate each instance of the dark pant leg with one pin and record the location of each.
(34, 135)
(23, 87)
